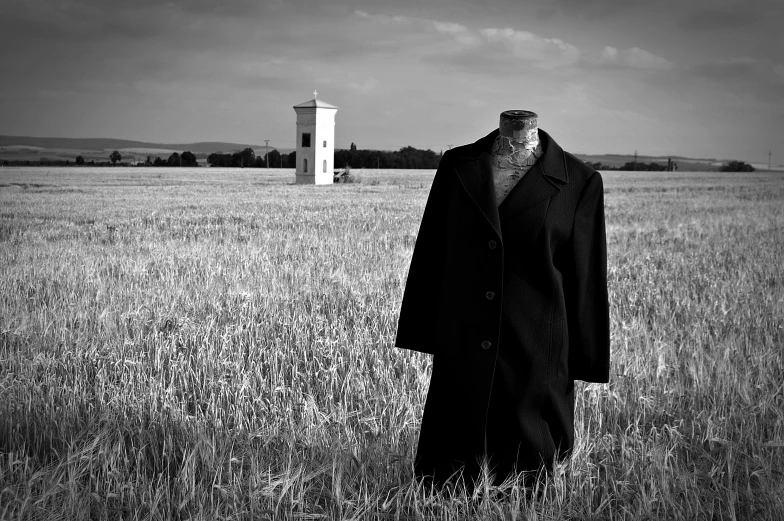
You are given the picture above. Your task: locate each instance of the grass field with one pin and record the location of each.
(217, 344)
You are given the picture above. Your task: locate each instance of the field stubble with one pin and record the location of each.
(213, 344)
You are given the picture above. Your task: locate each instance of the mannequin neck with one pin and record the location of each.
(514, 151)
(517, 144)
(520, 127)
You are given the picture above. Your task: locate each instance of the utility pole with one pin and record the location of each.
(635, 161)
(266, 157)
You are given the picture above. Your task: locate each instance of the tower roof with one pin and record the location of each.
(315, 102)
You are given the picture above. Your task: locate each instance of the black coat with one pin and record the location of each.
(512, 301)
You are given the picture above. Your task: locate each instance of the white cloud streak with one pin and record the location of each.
(528, 47)
(545, 52)
(635, 58)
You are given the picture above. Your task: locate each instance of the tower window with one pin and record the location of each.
(325, 163)
(305, 165)
(306, 139)
(325, 144)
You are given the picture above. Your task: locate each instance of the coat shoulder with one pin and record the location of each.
(578, 170)
(467, 150)
(454, 157)
(580, 174)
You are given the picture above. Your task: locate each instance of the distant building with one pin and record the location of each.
(315, 141)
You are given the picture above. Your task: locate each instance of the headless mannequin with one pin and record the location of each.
(515, 150)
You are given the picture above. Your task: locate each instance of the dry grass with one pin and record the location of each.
(215, 344)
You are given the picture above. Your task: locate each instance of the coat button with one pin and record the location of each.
(486, 345)
(489, 295)
(492, 245)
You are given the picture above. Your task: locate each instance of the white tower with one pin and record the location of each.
(315, 141)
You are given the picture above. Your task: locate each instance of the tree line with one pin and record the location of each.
(115, 158)
(736, 166)
(248, 159)
(629, 166)
(187, 158)
(730, 166)
(406, 157)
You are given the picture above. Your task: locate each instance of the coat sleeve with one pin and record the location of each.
(587, 304)
(416, 327)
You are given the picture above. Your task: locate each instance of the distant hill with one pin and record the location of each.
(685, 164)
(100, 144)
(28, 148)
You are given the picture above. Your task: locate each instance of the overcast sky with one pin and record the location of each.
(701, 78)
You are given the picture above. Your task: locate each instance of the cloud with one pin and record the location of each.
(634, 57)
(525, 46)
(544, 52)
(459, 32)
(494, 48)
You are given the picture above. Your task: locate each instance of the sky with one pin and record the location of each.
(697, 78)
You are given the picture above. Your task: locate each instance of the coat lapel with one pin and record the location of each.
(541, 182)
(474, 172)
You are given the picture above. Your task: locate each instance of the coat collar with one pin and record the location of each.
(543, 180)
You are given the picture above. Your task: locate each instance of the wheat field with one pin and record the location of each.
(217, 344)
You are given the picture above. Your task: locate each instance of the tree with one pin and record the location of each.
(247, 157)
(651, 167)
(215, 159)
(188, 159)
(736, 166)
(159, 162)
(174, 159)
(292, 160)
(272, 159)
(149, 161)
(79, 160)
(353, 147)
(115, 157)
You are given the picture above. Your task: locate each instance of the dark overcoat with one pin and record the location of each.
(512, 302)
